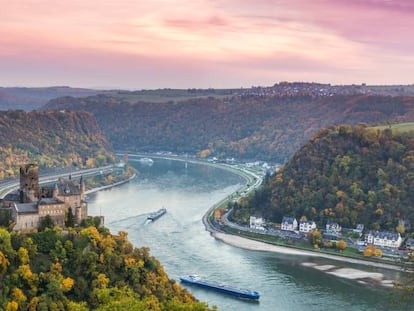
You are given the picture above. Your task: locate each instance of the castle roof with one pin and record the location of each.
(26, 208)
(12, 196)
(48, 201)
(67, 187)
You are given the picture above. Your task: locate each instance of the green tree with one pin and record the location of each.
(70, 218)
(46, 222)
(30, 246)
(5, 217)
(6, 245)
(59, 252)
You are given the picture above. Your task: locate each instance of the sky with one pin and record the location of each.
(150, 44)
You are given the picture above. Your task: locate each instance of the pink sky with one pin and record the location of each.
(138, 44)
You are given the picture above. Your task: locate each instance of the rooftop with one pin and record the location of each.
(26, 208)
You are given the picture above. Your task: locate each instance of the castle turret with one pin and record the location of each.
(82, 187)
(29, 182)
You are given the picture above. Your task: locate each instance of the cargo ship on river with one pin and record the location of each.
(155, 215)
(222, 288)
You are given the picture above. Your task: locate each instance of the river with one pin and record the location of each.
(179, 241)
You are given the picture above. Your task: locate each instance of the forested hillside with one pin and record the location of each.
(87, 269)
(50, 139)
(270, 127)
(29, 98)
(346, 174)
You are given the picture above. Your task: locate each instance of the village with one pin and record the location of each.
(369, 243)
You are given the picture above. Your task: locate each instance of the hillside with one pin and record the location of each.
(268, 127)
(51, 139)
(33, 98)
(28, 99)
(347, 174)
(86, 269)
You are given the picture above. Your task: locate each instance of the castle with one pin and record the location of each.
(33, 203)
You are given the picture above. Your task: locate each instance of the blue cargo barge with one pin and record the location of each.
(226, 289)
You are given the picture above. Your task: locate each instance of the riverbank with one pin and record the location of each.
(358, 275)
(245, 243)
(93, 190)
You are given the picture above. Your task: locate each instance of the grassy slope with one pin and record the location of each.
(399, 127)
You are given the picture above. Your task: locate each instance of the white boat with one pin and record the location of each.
(147, 161)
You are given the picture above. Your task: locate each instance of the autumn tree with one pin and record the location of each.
(341, 245)
(4, 263)
(371, 251)
(400, 229)
(83, 269)
(315, 238)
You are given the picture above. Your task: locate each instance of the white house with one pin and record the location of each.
(333, 227)
(410, 243)
(359, 228)
(289, 224)
(307, 226)
(256, 223)
(383, 239)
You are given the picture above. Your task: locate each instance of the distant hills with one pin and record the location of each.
(267, 123)
(32, 98)
(29, 99)
(247, 126)
(51, 139)
(346, 174)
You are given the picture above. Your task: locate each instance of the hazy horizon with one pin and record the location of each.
(109, 88)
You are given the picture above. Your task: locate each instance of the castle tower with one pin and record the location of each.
(29, 181)
(82, 188)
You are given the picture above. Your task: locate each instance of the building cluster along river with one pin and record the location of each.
(179, 240)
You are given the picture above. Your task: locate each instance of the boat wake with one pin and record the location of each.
(118, 221)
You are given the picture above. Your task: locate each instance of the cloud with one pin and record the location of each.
(259, 40)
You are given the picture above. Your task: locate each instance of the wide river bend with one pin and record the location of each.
(183, 246)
